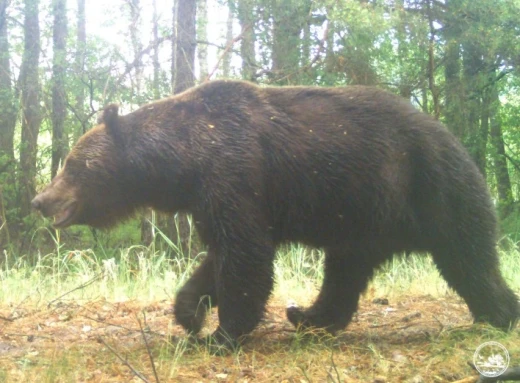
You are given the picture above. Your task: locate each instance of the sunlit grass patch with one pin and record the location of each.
(57, 309)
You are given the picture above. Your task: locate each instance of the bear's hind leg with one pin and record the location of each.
(472, 270)
(197, 296)
(347, 272)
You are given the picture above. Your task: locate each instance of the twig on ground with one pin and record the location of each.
(440, 324)
(277, 331)
(108, 323)
(148, 349)
(124, 361)
(83, 285)
(12, 334)
(333, 367)
(304, 372)
(471, 379)
(512, 374)
(121, 327)
(10, 317)
(408, 325)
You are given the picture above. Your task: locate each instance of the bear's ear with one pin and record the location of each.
(110, 117)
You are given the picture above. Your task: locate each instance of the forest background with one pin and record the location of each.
(89, 305)
(61, 61)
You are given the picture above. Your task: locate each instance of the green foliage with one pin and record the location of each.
(510, 225)
(448, 57)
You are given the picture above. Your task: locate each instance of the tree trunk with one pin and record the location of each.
(505, 194)
(329, 69)
(137, 46)
(155, 56)
(286, 42)
(148, 216)
(226, 62)
(405, 89)
(431, 65)
(483, 133)
(30, 100)
(453, 110)
(59, 112)
(185, 52)
(246, 19)
(7, 100)
(7, 125)
(475, 139)
(306, 44)
(202, 35)
(147, 228)
(134, 7)
(184, 78)
(174, 43)
(81, 44)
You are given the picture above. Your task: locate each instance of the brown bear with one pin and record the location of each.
(356, 171)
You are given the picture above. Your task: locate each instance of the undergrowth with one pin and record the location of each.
(146, 273)
(97, 297)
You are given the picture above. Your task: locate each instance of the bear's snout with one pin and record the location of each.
(42, 204)
(64, 208)
(36, 203)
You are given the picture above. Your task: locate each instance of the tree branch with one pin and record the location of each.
(83, 285)
(124, 361)
(227, 49)
(139, 56)
(148, 350)
(513, 161)
(312, 62)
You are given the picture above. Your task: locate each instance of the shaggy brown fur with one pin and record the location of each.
(356, 171)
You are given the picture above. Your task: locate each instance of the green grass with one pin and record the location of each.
(149, 274)
(136, 273)
(144, 273)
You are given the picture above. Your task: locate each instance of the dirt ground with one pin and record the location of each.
(412, 339)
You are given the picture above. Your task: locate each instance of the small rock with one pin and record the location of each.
(398, 357)
(416, 379)
(168, 311)
(379, 379)
(380, 301)
(112, 329)
(65, 317)
(411, 316)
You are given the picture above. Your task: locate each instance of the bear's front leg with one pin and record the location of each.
(244, 282)
(197, 296)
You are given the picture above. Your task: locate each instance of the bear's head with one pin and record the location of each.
(91, 187)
